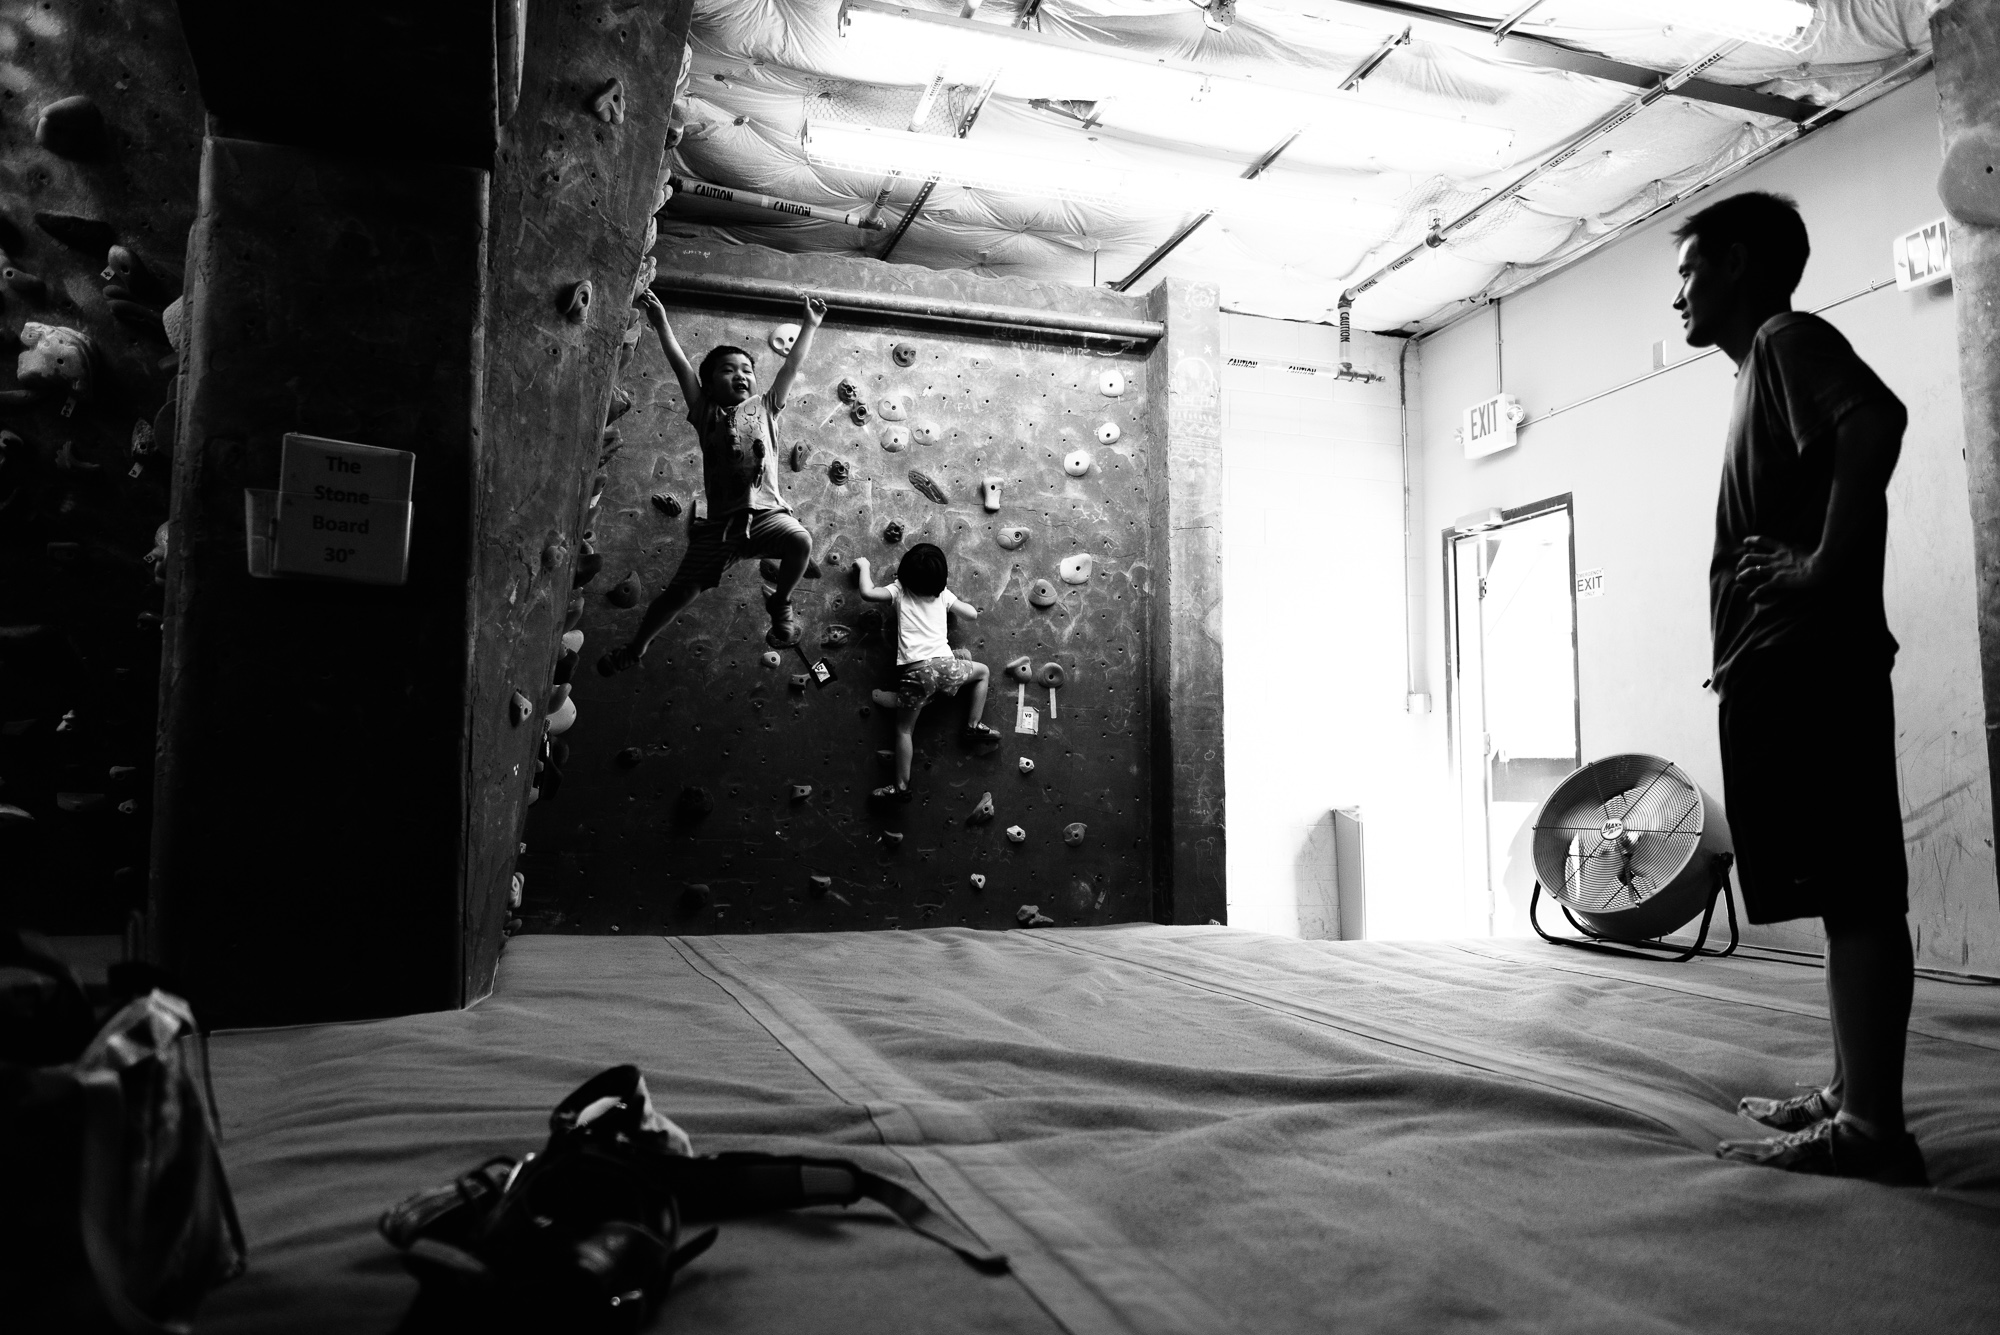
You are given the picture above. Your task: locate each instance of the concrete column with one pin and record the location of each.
(1966, 37)
(1186, 510)
(310, 801)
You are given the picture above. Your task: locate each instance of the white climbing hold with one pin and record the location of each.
(1076, 463)
(1075, 569)
(1011, 538)
(783, 337)
(1016, 835)
(562, 718)
(1112, 383)
(925, 433)
(895, 438)
(572, 641)
(1073, 833)
(977, 881)
(1027, 765)
(1108, 433)
(892, 409)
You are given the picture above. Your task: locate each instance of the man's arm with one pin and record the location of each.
(870, 590)
(1866, 444)
(656, 316)
(781, 383)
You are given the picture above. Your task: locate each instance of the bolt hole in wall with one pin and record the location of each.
(1510, 588)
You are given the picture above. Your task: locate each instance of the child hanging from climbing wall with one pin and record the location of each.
(737, 428)
(924, 661)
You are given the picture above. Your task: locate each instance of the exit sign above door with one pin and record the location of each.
(1923, 257)
(1489, 427)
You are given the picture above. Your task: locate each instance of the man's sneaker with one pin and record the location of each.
(1828, 1149)
(1793, 1114)
(784, 632)
(617, 660)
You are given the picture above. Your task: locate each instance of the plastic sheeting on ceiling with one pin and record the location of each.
(1332, 210)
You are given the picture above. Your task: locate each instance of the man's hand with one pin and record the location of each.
(815, 311)
(649, 302)
(1769, 571)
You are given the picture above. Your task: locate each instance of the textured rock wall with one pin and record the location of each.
(618, 845)
(78, 509)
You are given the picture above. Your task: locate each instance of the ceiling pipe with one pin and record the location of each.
(1513, 20)
(902, 306)
(1604, 125)
(1188, 228)
(682, 185)
(930, 183)
(1375, 58)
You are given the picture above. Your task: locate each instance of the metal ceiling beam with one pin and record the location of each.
(1541, 52)
(1188, 228)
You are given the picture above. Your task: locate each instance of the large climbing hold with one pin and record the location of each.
(892, 532)
(1026, 765)
(71, 127)
(626, 592)
(783, 338)
(56, 360)
(519, 709)
(609, 103)
(1075, 569)
(989, 496)
(1042, 594)
(1020, 669)
(797, 457)
(1073, 833)
(837, 472)
(1052, 676)
(801, 791)
(1010, 539)
(903, 354)
(576, 302)
(1031, 915)
(771, 658)
(926, 433)
(922, 482)
(666, 505)
(892, 409)
(1016, 835)
(1112, 383)
(563, 716)
(835, 635)
(895, 439)
(1076, 463)
(848, 391)
(1108, 433)
(982, 812)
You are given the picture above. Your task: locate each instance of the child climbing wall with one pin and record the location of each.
(720, 785)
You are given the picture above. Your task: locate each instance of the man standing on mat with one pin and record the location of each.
(1802, 659)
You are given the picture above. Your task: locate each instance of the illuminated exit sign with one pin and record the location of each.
(1923, 257)
(1489, 427)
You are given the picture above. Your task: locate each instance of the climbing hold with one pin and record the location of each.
(1076, 463)
(596, 491)
(892, 532)
(893, 838)
(666, 505)
(625, 593)
(693, 803)
(922, 482)
(1075, 569)
(71, 128)
(976, 881)
(516, 888)
(833, 558)
(1020, 669)
(174, 321)
(144, 441)
(1042, 593)
(1031, 915)
(892, 409)
(560, 720)
(55, 359)
(574, 616)
(629, 758)
(1027, 766)
(1073, 833)
(799, 680)
(572, 641)
(1052, 676)
(587, 566)
(835, 635)
(903, 353)
(1112, 383)
(27, 284)
(821, 884)
(1016, 835)
(1011, 538)
(848, 391)
(609, 104)
(989, 496)
(925, 433)
(770, 657)
(1969, 183)
(836, 473)
(565, 667)
(860, 414)
(895, 439)
(783, 337)
(1108, 433)
(797, 457)
(692, 901)
(801, 791)
(983, 812)
(620, 404)
(519, 708)
(576, 305)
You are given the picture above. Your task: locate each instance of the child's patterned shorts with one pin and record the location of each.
(916, 683)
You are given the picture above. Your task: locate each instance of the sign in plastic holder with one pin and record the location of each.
(341, 512)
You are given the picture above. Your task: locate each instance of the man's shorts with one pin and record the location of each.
(716, 544)
(1809, 787)
(916, 683)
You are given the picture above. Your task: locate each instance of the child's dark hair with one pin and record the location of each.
(923, 570)
(715, 356)
(1767, 226)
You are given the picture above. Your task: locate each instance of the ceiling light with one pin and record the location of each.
(1083, 177)
(1135, 89)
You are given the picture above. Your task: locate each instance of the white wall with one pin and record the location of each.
(1643, 465)
(1313, 620)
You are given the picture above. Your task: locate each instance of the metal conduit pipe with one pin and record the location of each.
(1603, 126)
(909, 307)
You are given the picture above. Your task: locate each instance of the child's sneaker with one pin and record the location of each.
(784, 632)
(1793, 1114)
(889, 792)
(617, 660)
(1830, 1149)
(979, 734)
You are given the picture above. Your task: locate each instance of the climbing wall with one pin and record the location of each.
(720, 787)
(100, 127)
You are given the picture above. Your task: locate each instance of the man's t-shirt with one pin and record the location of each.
(1800, 379)
(921, 630)
(739, 450)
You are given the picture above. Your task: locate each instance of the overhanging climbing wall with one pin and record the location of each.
(676, 808)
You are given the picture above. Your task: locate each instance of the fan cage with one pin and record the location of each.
(1617, 833)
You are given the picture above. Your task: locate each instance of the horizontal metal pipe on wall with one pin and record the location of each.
(920, 308)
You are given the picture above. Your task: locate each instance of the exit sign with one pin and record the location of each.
(1923, 257)
(1489, 427)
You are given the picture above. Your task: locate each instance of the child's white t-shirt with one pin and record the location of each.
(921, 624)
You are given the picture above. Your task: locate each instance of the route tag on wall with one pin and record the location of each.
(822, 671)
(344, 511)
(1028, 720)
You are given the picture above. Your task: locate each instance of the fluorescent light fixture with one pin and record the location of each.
(1779, 23)
(1137, 90)
(868, 148)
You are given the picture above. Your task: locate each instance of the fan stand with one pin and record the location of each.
(1649, 950)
